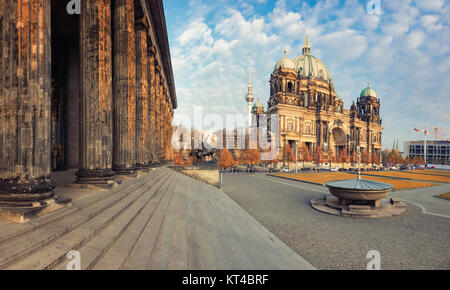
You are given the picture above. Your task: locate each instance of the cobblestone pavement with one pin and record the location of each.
(413, 240)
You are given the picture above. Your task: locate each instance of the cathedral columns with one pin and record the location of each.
(96, 128)
(143, 133)
(25, 89)
(124, 97)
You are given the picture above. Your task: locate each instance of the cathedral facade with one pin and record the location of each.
(310, 112)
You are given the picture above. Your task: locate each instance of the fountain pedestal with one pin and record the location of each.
(359, 198)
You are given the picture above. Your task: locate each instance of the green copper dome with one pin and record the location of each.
(368, 92)
(258, 104)
(284, 62)
(307, 65)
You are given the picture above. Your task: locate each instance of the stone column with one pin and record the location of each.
(161, 120)
(168, 125)
(319, 133)
(171, 132)
(151, 144)
(25, 103)
(124, 86)
(96, 128)
(142, 98)
(164, 124)
(157, 114)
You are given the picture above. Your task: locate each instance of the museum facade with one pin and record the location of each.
(92, 91)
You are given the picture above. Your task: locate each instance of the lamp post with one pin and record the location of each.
(284, 149)
(295, 156)
(358, 151)
(325, 151)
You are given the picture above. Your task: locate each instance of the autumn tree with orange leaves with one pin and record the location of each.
(319, 156)
(225, 160)
(251, 157)
(343, 157)
(303, 154)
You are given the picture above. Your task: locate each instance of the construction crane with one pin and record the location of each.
(425, 133)
(436, 132)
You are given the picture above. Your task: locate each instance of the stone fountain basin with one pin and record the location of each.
(359, 189)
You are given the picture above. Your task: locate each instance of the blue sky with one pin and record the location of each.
(404, 52)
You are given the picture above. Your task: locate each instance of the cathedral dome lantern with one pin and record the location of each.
(307, 65)
(284, 63)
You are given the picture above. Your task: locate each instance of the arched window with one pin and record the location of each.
(290, 87)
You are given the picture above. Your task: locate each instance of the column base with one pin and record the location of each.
(22, 200)
(155, 164)
(122, 173)
(21, 214)
(142, 168)
(98, 179)
(23, 193)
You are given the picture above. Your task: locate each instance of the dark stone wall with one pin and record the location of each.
(73, 111)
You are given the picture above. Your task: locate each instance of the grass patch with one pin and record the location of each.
(414, 176)
(323, 177)
(431, 172)
(444, 195)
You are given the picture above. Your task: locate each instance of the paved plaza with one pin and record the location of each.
(418, 239)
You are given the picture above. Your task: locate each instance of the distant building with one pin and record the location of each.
(438, 152)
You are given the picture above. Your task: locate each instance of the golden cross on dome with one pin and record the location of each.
(307, 41)
(368, 84)
(285, 51)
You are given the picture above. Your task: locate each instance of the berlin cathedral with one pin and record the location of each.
(310, 113)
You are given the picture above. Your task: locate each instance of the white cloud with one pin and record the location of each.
(196, 31)
(430, 23)
(433, 5)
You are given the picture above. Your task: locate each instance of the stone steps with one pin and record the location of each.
(94, 250)
(118, 253)
(14, 230)
(43, 235)
(162, 220)
(142, 251)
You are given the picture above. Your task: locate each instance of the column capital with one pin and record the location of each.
(141, 24)
(151, 48)
(157, 67)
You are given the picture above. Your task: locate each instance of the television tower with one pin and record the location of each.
(249, 97)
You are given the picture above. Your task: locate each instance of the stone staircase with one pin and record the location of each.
(161, 220)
